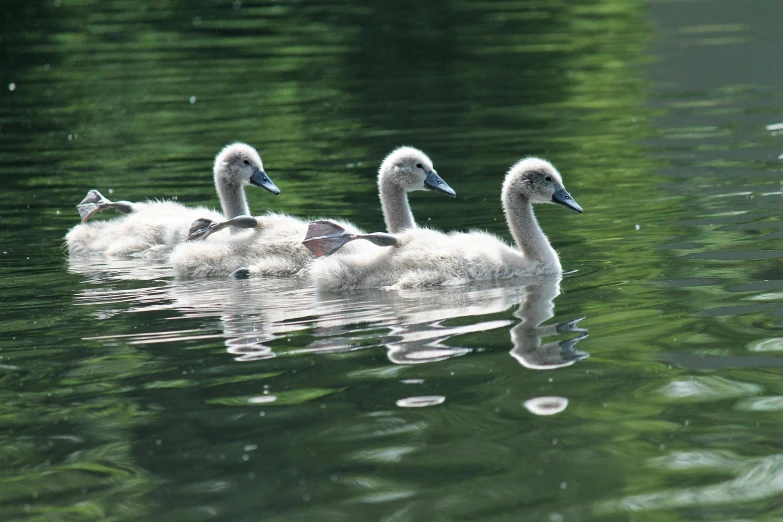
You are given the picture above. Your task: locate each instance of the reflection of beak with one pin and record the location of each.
(434, 182)
(260, 179)
(562, 197)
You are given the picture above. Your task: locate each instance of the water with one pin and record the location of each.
(643, 386)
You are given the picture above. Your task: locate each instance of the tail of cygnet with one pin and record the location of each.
(325, 238)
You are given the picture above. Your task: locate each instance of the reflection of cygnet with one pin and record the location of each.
(419, 321)
(251, 313)
(526, 336)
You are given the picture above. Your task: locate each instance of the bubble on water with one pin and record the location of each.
(192, 99)
(421, 402)
(546, 406)
(47, 67)
(11, 86)
(237, 4)
(638, 227)
(563, 485)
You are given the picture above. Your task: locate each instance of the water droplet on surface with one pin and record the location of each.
(262, 399)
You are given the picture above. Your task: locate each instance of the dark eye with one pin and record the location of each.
(246, 162)
(549, 178)
(418, 165)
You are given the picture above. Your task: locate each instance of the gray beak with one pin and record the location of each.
(564, 198)
(434, 182)
(260, 179)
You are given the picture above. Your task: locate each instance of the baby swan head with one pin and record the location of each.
(537, 181)
(410, 169)
(239, 164)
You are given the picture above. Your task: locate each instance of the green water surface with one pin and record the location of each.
(645, 385)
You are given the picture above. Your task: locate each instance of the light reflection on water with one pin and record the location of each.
(414, 325)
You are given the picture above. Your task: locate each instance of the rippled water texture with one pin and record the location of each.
(643, 385)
